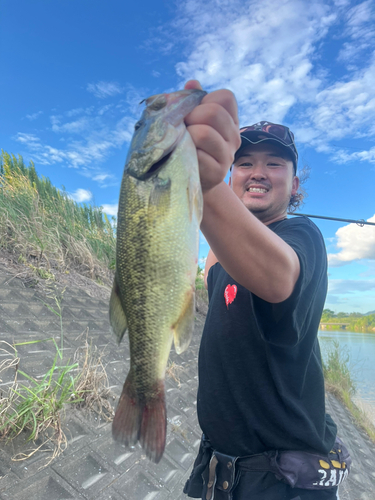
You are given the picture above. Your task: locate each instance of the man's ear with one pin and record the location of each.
(295, 185)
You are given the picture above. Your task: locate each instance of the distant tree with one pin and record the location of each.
(328, 313)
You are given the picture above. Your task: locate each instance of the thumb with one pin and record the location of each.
(193, 84)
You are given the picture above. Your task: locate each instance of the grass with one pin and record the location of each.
(173, 371)
(340, 383)
(42, 226)
(58, 300)
(92, 384)
(36, 407)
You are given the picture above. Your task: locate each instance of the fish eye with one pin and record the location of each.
(159, 102)
(138, 125)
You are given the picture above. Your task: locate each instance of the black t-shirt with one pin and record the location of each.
(261, 383)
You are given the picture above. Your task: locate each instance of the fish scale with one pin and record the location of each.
(160, 210)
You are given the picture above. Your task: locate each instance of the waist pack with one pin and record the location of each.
(299, 469)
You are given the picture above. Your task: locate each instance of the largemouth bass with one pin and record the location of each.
(153, 295)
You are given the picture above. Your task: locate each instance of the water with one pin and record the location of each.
(361, 350)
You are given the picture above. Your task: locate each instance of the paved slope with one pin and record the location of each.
(93, 466)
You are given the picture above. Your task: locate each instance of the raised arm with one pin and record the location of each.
(250, 252)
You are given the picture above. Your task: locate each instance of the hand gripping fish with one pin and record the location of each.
(159, 214)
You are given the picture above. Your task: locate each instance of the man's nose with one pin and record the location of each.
(258, 172)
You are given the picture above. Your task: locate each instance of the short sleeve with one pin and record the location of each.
(287, 322)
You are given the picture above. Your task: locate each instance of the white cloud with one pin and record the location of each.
(110, 209)
(341, 287)
(93, 141)
(269, 53)
(101, 177)
(79, 111)
(29, 139)
(272, 56)
(355, 243)
(34, 116)
(255, 50)
(104, 109)
(74, 127)
(81, 195)
(360, 29)
(104, 89)
(342, 156)
(345, 109)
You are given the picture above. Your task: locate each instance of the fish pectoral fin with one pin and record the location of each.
(117, 316)
(195, 201)
(184, 326)
(159, 203)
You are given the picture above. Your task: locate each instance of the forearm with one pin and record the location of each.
(251, 253)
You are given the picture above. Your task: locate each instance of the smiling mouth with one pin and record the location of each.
(257, 190)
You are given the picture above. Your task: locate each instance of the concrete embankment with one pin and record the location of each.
(93, 466)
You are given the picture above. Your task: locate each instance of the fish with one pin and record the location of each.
(153, 295)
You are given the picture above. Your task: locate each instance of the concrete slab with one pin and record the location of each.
(93, 466)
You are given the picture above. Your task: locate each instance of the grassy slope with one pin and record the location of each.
(41, 226)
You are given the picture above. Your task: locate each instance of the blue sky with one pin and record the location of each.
(73, 74)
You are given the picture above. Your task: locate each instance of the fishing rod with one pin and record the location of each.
(359, 222)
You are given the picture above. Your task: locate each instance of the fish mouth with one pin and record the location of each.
(156, 167)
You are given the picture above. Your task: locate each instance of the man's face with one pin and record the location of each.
(263, 178)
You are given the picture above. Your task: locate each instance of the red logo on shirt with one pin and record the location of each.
(230, 293)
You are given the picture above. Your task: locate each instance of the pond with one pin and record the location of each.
(361, 350)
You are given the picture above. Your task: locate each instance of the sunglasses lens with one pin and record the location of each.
(277, 130)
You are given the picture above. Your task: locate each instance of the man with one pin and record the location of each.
(261, 387)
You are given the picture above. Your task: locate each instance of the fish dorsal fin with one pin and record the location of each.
(184, 326)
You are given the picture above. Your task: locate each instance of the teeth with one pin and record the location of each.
(257, 190)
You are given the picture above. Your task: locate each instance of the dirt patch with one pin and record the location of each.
(28, 274)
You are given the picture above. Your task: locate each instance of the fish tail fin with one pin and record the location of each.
(153, 430)
(144, 421)
(128, 416)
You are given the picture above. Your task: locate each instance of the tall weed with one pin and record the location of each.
(43, 224)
